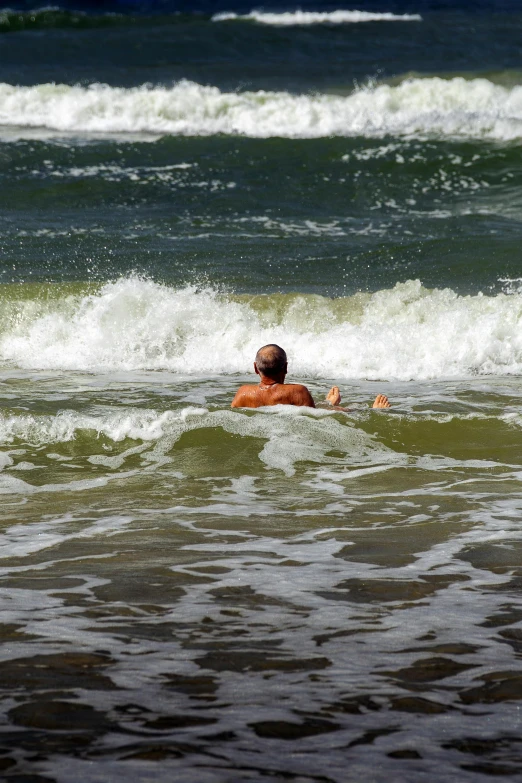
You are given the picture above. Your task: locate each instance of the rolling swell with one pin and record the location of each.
(407, 332)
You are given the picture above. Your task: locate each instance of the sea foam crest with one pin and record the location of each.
(407, 332)
(295, 18)
(433, 106)
(143, 425)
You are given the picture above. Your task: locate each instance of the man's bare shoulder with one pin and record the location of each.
(297, 394)
(244, 396)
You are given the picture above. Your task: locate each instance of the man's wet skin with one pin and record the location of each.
(271, 365)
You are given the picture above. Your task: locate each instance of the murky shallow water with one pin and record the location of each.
(221, 595)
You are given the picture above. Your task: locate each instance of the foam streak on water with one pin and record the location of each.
(449, 108)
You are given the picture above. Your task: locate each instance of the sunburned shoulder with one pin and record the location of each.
(244, 396)
(299, 395)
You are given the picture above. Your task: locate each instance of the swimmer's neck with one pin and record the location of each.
(266, 382)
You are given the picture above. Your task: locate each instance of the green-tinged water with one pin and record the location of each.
(328, 216)
(190, 586)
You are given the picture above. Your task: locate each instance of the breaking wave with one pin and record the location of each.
(294, 18)
(433, 106)
(407, 332)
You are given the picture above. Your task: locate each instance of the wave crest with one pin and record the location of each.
(298, 18)
(407, 332)
(417, 107)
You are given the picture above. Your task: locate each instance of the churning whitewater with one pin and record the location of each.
(407, 332)
(447, 108)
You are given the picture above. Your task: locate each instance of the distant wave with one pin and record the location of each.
(55, 17)
(448, 108)
(135, 324)
(51, 17)
(291, 18)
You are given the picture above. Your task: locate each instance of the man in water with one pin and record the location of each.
(271, 365)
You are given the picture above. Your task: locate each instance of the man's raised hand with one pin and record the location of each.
(381, 401)
(334, 396)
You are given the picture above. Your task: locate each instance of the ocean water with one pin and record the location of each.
(209, 595)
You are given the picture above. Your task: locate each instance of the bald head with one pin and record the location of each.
(271, 361)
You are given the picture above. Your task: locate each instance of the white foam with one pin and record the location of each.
(298, 18)
(22, 540)
(407, 332)
(289, 435)
(116, 173)
(5, 460)
(511, 285)
(145, 425)
(457, 107)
